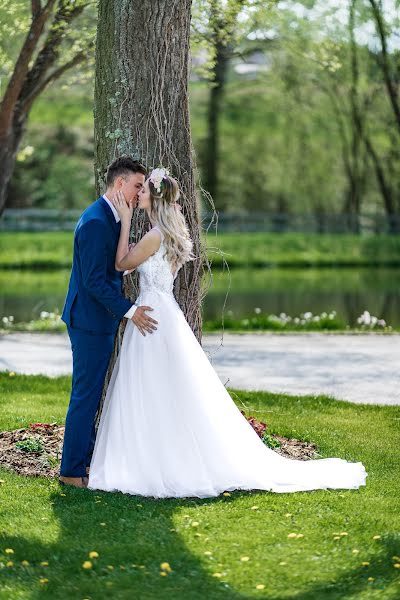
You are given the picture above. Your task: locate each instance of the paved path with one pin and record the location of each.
(358, 368)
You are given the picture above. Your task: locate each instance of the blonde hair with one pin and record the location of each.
(171, 222)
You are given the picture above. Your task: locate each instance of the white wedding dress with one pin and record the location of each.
(169, 428)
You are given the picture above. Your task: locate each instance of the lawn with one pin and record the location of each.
(54, 250)
(216, 548)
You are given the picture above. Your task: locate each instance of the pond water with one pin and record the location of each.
(24, 294)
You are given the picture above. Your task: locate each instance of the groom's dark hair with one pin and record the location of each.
(123, 165)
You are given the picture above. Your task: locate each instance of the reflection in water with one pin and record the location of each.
(347, 291)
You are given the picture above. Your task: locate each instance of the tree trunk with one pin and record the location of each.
(9, 144)
(211, 151)
(141, 109)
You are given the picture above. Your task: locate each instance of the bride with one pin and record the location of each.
(168, 427)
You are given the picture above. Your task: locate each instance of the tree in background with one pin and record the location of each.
(48, 51)
(221, 30)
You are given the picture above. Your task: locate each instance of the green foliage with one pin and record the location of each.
(30, 445)
(270, 441)
(134, 535)
(15, 20)
(56, 174)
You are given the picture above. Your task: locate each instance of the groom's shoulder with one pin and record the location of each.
(93, 212)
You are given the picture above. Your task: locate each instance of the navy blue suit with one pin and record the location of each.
(93, 309)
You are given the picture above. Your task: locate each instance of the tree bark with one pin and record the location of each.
(141, 109)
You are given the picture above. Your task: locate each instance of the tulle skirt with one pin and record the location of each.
(169, 428)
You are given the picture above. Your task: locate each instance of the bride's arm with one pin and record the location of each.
(130, 259)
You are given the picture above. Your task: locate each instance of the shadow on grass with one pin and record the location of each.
(134, 536)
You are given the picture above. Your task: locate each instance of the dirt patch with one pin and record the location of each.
(35, 451)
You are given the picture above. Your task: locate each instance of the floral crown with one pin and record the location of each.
(157, 176)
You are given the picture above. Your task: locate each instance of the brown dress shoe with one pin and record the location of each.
(79, 482)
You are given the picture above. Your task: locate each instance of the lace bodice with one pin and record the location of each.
(155, 272)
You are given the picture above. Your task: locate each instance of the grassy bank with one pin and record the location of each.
(306, 322)
(54, 250)
(235, 546)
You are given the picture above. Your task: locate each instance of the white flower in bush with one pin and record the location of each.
(368, 320)
(257, 311)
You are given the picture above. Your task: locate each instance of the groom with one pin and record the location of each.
(93, 309)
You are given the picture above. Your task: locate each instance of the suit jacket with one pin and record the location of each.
(95, 301)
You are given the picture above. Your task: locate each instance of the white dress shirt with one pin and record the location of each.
(133, 308)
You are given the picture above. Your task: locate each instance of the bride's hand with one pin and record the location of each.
(124, 209)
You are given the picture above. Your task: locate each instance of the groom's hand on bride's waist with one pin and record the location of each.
(144, 322)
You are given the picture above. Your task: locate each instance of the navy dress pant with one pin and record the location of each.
(91, 355)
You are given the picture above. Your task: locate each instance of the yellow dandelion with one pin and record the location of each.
(365, 563)
(198, 534)
(292, 535)
(376, 537)
(110, 567)
(344, 533)
(24, 563)
(9, 551)
(195, 524)
(208, 553)
(163, 573)
(355, 551)
(63, 495)
(260, 586)
(2, 481)
(245, 558)
(396, 565)
(103, 524)
(217, 574)
(254, 508)
(396, 557)
(337, 537)
(165, 567)
(44, 563)
(43, 580)
(283, 563)
(226, 494)
(9, 563)
(93, 554)
(300, 535)
(133, 565)
(288, 514)
(87, 564)
(371, 578)
(11, 374)
(142, 567)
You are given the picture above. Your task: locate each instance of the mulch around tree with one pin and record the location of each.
(40, 450)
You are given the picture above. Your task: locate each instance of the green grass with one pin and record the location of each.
(42, 522)
(54, 250)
